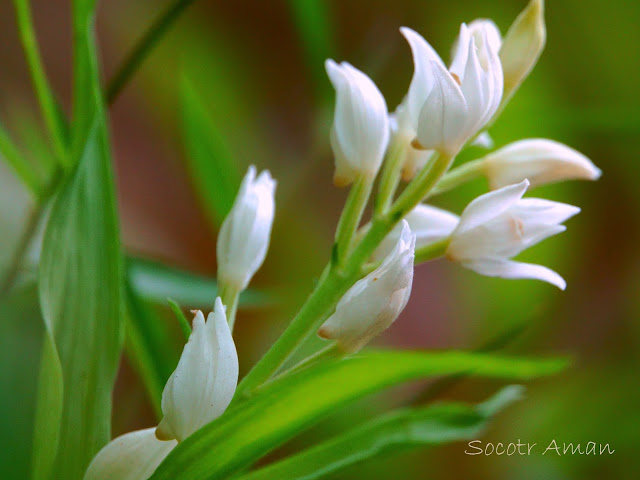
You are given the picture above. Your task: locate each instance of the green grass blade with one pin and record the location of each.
(391, 433)
(21, 167)
(182, 320)
(210, 161)
(282, 409)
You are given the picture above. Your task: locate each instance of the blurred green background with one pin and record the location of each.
(257, 68)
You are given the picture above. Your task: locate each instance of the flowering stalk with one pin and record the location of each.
(390, 177)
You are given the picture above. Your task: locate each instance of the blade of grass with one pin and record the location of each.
(182, 320)
(18, 163)
(145, 45)
(48, 104)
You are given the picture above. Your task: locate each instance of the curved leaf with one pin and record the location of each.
(388, 434)
(286, 406)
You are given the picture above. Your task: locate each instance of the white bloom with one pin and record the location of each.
(202, 385)
(374, 302)
(447, 108)
(522, 46)
(538, 160)
(402, 130)
(429, 224)
(499, 225)
(198, 391)
(132, 456)
(360, 131)
(244, 236)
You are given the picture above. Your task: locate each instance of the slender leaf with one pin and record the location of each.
(80, 286)
(149, 346)
(286, 406)
(9, 152)
(157, 282)
(182, 320)
(210, 160)
(391, 433)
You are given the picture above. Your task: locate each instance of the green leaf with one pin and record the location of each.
(149, 346)
(288, 405)
(157, 282)
(80, 287)
(210, 161)
(182, 320)
(389, 434)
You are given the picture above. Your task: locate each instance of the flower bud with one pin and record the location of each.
(453, 105)
(522, 46)
(499, 225)
(132, 456)
(202, 385)
(429, 224)
(360, 131)
(244, 236)
(538, 160)
(374, 302)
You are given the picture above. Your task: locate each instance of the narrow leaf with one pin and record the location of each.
(288, 405)
(182, 320)
(389, 434)
(157, 282)
(210, 161)
(80, 286)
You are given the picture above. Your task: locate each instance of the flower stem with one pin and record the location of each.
(431, 251)
(390, 178)
(25, 240)
(50, 112)
(335, 282)
(458, 176)
(136, 57)
(229, 297)
(351, 217)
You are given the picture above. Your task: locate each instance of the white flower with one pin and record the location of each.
(538, 160)
(360, 131)
(522, 46)
(499, 225)
(429, 224)
(448, 107)
(202, 385)
(132, 456)
(198, 391)
(402, 131)
(244, 236)
(374, 302)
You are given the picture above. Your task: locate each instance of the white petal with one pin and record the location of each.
(133, 456)
(422, 81)
(374, 302)
(442, 118)
(244, 235)
(361, 120)
(539, 210)
(541, 161)
(489, 206)
(461, 52)
(484, 29)
(510, 269)
(203, 384)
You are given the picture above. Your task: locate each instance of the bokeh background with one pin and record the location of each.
(258, 70)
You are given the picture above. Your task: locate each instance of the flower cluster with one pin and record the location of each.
(368, 281)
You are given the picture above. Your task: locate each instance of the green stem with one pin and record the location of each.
(418, 189)
(182, 320)
(315, 310)
(335, 282)
(136, 57)
(48, 105)
(330, 351)
(431, 251)
(29, 231)
(456, 177)
(21, 168)
(229, 297)
(351, 217)
(391, 171)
